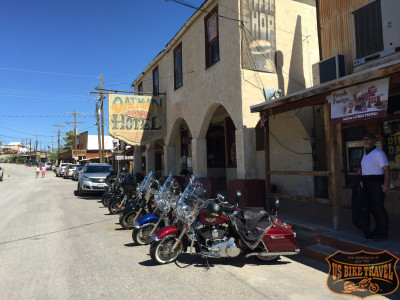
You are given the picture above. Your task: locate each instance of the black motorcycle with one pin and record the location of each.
(142, 204)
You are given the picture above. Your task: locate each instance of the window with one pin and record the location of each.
(156, 83)
(178, 66)
(211, 37)
(140, 89)
(368, 29)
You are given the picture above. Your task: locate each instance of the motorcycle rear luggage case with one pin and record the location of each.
(280, 238)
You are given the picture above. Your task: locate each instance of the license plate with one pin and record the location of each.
(173, 213)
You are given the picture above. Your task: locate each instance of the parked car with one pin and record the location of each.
(77, 172)
(92, 178)
(48, 165)
(1, 174)
(60, 169)
(69, 171)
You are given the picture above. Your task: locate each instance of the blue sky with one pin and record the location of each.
(52, 53)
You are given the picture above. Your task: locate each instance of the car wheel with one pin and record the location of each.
(80, 192)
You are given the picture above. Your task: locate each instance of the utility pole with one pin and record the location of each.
(101, 145)
(75, 146)
(98, 131)
(52, 145)
(102, 119)
(59, 137)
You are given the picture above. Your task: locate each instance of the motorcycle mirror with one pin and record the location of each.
(238, 196)
(274, 203)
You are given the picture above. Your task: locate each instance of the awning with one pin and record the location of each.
(317, 94)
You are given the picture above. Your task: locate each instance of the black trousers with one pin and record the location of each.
(375, 197)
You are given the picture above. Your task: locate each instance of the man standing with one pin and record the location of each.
(376, 181)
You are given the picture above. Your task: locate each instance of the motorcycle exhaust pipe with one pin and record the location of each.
(275, 253)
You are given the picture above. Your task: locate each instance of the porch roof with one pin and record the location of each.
(314, 95)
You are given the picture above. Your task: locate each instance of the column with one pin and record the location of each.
(246, 153)
(150, 158)
(137, 160)
(169, 160)
(199, 156)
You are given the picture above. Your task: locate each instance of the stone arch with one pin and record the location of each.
(208, 116)
(173, 133)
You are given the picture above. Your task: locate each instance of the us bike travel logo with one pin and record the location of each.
(362, 274)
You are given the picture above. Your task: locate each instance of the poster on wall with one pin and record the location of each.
(259, 36)
(136, 120)
(361, 102)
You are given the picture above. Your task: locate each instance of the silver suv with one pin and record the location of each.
(92, 178)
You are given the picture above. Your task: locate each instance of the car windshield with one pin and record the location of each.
(98, 169)
(73, 166)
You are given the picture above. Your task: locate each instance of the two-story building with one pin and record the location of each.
(356, 91)
(230, 55)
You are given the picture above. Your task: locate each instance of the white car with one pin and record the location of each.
(1, 174)
(60, 169)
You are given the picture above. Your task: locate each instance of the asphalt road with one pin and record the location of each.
(55, 245)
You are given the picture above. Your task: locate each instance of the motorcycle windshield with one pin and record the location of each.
(193, 198)
(165, 196)
(146, 181)
(168, 184)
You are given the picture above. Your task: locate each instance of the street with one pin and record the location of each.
(55, 245)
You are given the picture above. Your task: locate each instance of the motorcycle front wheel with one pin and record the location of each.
(126, 220)
(161, 252)
(113, 207)
(106, 200)
(142, 236)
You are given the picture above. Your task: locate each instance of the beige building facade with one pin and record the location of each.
(213, 70)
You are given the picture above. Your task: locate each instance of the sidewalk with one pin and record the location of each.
(314, 218)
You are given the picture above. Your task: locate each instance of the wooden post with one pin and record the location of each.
(267, 164)
(331, 147)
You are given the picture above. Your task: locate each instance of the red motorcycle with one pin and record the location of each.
(213, 228)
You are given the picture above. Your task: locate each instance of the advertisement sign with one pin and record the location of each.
(136, 120)
(361, 102)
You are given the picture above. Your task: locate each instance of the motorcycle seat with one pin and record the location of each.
(228, 208)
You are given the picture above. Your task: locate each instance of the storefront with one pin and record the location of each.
(352, 106)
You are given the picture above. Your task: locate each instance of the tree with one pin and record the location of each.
(69, 140)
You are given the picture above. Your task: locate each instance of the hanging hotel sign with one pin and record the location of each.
(136, 120)
(361, 102)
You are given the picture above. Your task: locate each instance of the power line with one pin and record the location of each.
(184, 3)
(45, 72)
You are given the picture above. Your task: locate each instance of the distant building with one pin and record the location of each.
(87, 148)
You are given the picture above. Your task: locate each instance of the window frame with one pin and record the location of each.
(176, 50)
(208, 44)
(156, 88)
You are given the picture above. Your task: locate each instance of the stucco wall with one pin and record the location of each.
(226, 83)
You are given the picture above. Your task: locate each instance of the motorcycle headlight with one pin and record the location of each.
(182, 212)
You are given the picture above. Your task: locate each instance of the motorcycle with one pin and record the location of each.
(134, 208)
(127, 188)
(112, 189)
(216, 229)
(162, 215)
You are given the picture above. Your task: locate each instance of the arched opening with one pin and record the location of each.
(221, 148)
(179, 150)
